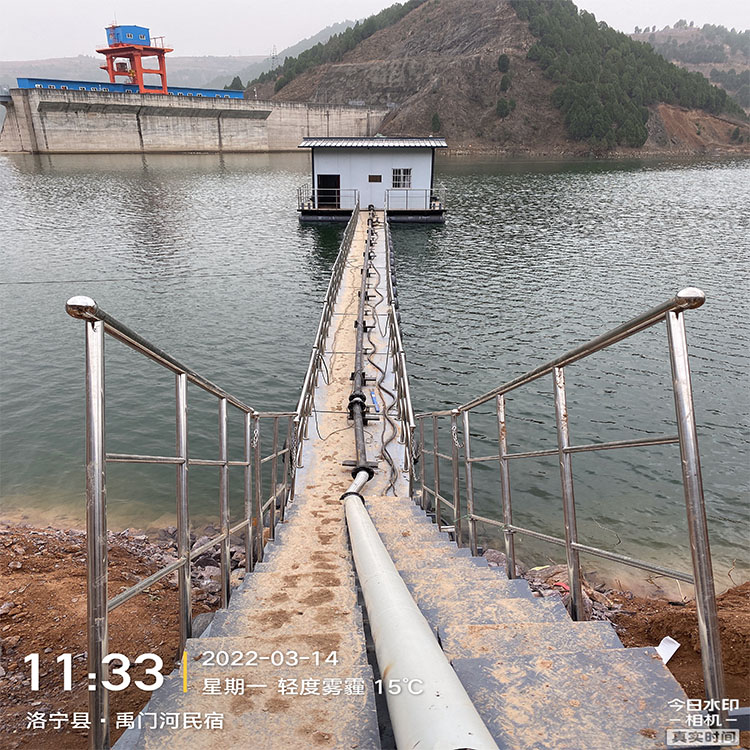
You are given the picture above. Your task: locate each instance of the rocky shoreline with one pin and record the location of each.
(159, 548)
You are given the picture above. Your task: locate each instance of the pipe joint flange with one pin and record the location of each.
(353, 494)
(364, 467)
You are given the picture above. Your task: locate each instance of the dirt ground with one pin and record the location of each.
(43, 610)
(644, 622)
(44, 582)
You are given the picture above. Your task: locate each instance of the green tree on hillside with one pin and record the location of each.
(505, 107)
(436, 125)
(235, 85)
(503, 63)
(605, 80)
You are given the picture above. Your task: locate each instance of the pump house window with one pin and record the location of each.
(402, 178)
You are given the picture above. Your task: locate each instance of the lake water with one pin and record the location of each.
(204, 256)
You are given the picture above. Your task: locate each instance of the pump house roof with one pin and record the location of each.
(374, 142)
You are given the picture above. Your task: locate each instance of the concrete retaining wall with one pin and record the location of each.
(53, 121)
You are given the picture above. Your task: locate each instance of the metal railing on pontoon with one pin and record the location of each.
(413, 199)
(332, 199)
(404, 409)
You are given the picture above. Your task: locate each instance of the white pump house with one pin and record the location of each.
(395, 174)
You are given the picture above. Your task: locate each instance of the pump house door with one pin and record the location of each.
(329, 191)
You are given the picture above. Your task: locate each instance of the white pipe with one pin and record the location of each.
(431, 711)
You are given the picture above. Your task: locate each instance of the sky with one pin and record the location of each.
(50, 28)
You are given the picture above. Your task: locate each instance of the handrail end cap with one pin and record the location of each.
(691, 297)
(82, 307)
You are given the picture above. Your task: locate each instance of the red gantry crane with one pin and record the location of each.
(128, 45)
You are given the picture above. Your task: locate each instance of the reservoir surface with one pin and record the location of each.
(204, 256)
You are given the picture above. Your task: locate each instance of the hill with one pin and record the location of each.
(722, 55)
(257, 68)
(489, 77)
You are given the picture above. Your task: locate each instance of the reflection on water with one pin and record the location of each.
(204, 255)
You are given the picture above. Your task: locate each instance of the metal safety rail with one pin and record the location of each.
(415, 199)
(306, 401)
(309, 198)
(405, 411)
(671, 312)
(259, 508)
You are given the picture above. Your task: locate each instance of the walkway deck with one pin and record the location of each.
(302, 597)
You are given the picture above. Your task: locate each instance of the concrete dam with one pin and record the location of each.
(54, 121)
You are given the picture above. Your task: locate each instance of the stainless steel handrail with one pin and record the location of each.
(309, 198)
(86, 309)
(315, 364)
(686, 299)
(671, 312)
(430, 199)
(403, 391)
(98, 323)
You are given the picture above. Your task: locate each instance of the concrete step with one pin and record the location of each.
(443, 613)
(322, 559)
(461, 641)
(337, 612)
(414, 535)
(392, 506)
(429, 552)
(397, 508)
(412, 525)
(445, 561)
(263, 597)
(263, 717)
(281, 578)
(479, 584)
(472, 594)
(589, 700)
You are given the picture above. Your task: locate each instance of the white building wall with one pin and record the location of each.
(354, 165)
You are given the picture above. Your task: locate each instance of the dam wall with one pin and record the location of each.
(48, 121)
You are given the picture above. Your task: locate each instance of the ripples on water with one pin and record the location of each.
(204, 256)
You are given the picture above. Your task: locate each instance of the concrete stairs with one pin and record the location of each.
(539, 680)
(282, 623)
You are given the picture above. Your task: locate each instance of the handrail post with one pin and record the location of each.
(224, 502)
(456, 479)
(96, 536)
(257, 499)
(422, 502)
(469, 487)
(285, 473)
(436, 470)
(248, 490)
(274, 480)
(299, 436)
(409, 458)
(692, 482)
(510, 545)
(183, 513)
(569, 506)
